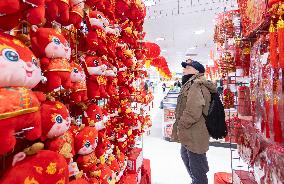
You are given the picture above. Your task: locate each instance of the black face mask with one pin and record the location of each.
(185, 78)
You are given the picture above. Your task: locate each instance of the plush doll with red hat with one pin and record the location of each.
(93, 116)
(96, 37)
(85, 144)
(55, 119)
(58, 10)
(76, 13)
(54, 51)
(79, 88)
(95, 80)
(44, 167)
(20, 106)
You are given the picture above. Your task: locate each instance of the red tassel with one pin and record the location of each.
(273, 46)
(276, 121)
(280, 31)
(277, 124)
(266, 121)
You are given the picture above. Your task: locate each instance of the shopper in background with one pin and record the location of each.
(164, 87)
(190, 128)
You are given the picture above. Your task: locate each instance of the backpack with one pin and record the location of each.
(215, 120)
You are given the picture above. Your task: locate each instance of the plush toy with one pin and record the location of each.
(44, 167)
(105, 175)
(54, 51)
(76, 125)
(13, 18)
(19, 104)
(96, 37)
(82, 181)
(35, 11)
(63, 145)
(96, 82)
(79, 88)
(58, 10)
(111, 73)
(122, 161)
(137, 11)
(121, 8)
(9, 7)
(114, 166)
(93, 116)
(121, 137)
(76, 13)
(55, 119)
(85, 144)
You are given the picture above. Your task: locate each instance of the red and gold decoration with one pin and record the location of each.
(252, 15)
(229, 101)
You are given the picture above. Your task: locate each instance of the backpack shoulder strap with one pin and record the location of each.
(204, 99)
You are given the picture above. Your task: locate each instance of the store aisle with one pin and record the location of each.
(166, 164)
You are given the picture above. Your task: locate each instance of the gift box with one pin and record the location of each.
(223, 178)
(146, 172)
(243, 177)
(135, 160)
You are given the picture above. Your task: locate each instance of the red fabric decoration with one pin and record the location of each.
(280, 31)
(273, 46)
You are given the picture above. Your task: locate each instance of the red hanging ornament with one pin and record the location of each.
(265, 124)
(276, 119)
(273, 46)
(280, 31)
(229, 100)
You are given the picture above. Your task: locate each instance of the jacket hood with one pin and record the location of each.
(200, 79)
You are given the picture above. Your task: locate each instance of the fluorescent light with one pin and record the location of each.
(160, 39)
(198, 32)
(149, 2)
(192, 48)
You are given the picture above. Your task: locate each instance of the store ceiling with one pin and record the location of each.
(183, 27)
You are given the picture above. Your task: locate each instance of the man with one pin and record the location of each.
(190, 128)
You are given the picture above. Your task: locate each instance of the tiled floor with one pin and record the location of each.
(166, 164)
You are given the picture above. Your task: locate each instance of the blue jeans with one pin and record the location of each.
(196, 165)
